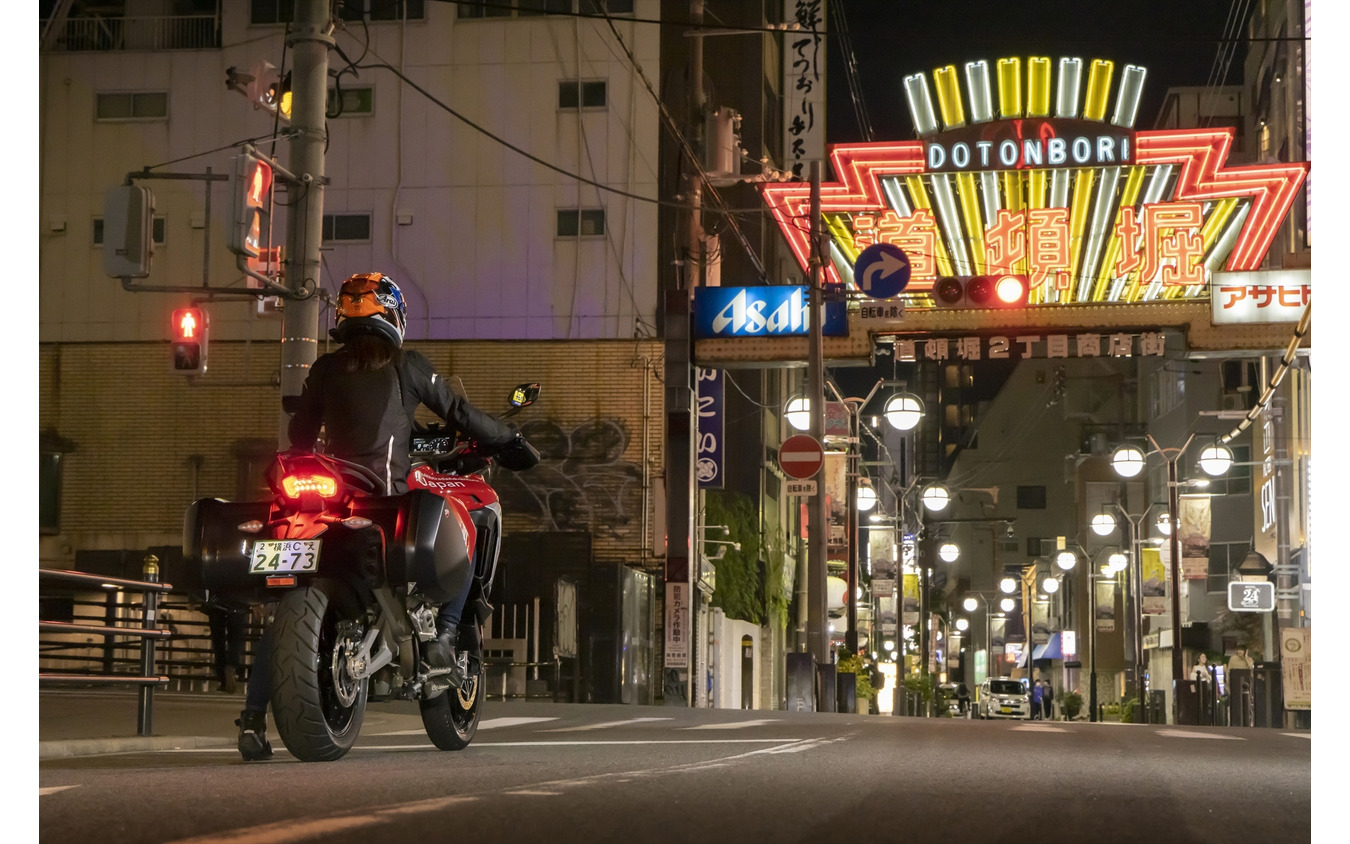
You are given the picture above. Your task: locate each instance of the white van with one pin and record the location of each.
(1003, 697)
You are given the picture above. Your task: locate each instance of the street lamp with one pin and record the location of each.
(798, 413)
(1103, 524)
(1066, 559)
(935, 497)
(1007, 585)
(867, 498)
(1215, 459)
(949, 551)
(903, 411)
(1128, 461)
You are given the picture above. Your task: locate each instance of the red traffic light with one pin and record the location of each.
(981, 291)
(187, 324)
(188, 327)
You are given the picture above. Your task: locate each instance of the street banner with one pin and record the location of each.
(677, 621)
(836, 503)
(910, 603)
(1106, 606)
(1296, 661)
(881, 552)
(1153, 582)
(998, 634)
(709, 386)
(1040, 622)
(1195, 518)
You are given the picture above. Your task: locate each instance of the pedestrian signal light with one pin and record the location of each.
(128, 229)
(251, 231)
(189, 341)
(981, 291)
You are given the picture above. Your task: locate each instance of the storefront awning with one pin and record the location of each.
(1050, 650)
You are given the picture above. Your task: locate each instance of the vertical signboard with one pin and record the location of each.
(1106, 606)
(1194, 516)
(909, 605)
(1153, 581)
(709, 386)
(677, 625)
(1296, 662)
(804, 85)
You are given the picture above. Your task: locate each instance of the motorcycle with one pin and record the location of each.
(358, 577)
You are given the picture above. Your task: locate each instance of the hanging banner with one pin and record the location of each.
(1153, 582)
(881, 552)
(1194, 515)
(910, 603)
(836, 503)
(709, 386)
(1040, 622)
(1106, 606)
(804, 86)
(998, 634)
(1296, 661)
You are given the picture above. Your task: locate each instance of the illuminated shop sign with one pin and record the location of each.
(1034, 168)
(1027, 346)
(769, 311)
(1260, 297)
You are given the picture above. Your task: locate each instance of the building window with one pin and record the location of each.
(145, 105)
(272, 11)
(1238, 479)
(575, 94)
(354, 102)
(49, 492)
(157, 231)
(531, 8)
(1224, 558)
(581, 223)
(1031, 498)
(383, 10)
(347, 228)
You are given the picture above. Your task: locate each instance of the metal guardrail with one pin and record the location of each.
(149, 632)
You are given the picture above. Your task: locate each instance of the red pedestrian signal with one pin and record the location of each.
(251, 225)
(982, 291)
(189, 341)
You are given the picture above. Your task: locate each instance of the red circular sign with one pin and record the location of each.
(800, 456)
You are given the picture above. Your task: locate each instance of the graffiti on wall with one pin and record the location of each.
(581, 483)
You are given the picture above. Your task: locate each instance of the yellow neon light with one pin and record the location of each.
(1129, 195)
(949, 96)
(843, 236)
(1036, 184)
(1218, 219)
(919, 194)
(1012, 190)
(969, 196)
(1099, 89)
(1078, 214)
(1010, 87)
(1038, 87)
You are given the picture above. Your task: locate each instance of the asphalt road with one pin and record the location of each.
(561, 773)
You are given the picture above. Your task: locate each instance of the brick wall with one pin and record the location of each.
(147, 441)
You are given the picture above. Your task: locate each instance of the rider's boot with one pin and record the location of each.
(253, 743)
(441, 654)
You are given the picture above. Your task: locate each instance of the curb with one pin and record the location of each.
(130, 744)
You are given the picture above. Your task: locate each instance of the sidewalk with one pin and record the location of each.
(88, 722)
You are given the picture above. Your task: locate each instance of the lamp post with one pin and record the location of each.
(970, 604)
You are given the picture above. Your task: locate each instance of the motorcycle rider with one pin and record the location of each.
(363, 396)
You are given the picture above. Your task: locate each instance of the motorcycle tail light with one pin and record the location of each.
(325, 486)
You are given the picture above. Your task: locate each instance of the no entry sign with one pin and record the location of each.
(800, 456)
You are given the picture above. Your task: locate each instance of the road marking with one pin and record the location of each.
(739, 725)
(545, 743)
(1189, 734)
(1040, 728)
(42, 792)
(482, 725)
(603, 726)
(1298, 735)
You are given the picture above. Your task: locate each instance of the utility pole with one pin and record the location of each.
(817, 530)
(308, 43)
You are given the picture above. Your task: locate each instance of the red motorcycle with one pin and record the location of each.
(358, 577)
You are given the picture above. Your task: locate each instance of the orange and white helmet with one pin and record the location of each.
(371, 302)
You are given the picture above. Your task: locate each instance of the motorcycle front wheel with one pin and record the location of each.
(451, 719)
(318, 709)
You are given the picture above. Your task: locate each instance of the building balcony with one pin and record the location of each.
(104, 34)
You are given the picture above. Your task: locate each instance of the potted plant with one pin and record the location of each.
(1071, 703)
(851, 663)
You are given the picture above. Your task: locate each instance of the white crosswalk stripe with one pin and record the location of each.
(1189, 734)
(739, 725)
(604, 725)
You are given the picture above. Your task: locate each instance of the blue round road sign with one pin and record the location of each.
(881, 271)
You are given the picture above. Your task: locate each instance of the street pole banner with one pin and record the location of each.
(998, 635)
(910, 604)
(836, 502)
(881, 552)
(1040, 622)
(1153, 583)
(710, 388)
(1296, 662)
(1106, 606)
(1195, 518)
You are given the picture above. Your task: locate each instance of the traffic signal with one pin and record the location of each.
(251, 226)
(982, 291)
(189, 341)
(128, 230)
(267, 88)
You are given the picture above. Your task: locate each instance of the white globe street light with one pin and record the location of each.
(962, 624)
(1164, 524)
(904, 411)
(1066, 559)
(1103, 523)
(798, 413)
(1050, 585)
(1215, 459)
(867, 498)
(1128, 461)
(970, 604)
(949, 551)
(1007, 585)
(1007, 604)
(1117, 561)
(935, 497)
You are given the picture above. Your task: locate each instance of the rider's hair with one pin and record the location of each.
(369, 351)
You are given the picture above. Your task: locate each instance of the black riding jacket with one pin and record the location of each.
(368, 415)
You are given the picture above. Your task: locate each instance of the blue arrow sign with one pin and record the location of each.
(881, 271)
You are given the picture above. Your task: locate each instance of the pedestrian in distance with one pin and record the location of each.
(1037, 696)
(1047, 701)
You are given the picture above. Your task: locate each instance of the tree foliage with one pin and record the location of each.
(750, 580)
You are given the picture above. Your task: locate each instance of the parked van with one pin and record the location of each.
(1003, 697)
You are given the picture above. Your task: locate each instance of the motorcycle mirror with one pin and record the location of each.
(524, 395)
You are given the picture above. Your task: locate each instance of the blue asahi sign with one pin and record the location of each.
(770, 311)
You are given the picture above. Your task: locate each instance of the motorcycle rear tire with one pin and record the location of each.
(451, 719)
(311, 720)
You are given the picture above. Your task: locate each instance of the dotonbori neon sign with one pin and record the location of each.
(1048, 186)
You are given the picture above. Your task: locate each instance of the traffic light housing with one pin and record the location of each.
(251, 217)
(267, 88)
(189, 328)
(128, 231)
(994, 292)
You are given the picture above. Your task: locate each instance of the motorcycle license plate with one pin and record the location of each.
(274, 555)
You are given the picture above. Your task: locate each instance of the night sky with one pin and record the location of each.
(1176, 40)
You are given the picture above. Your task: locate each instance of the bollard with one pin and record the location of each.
(146, 694)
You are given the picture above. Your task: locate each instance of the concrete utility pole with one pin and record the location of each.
(817, 529)
(308, 43)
